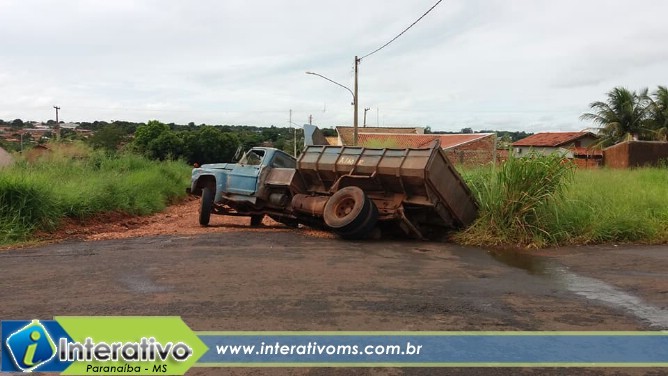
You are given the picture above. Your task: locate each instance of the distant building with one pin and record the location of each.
(469, 148)
(555, 142)
(347, 134)
(581, 147)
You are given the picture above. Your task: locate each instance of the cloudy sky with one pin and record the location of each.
(529, 65)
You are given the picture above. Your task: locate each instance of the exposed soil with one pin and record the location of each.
(179, 219)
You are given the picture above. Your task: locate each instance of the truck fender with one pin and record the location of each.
(201, 182)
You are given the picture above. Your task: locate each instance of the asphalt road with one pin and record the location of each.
(284, 280)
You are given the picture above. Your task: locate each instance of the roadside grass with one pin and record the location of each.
(604, 206)
(37, 195)
(585, 207)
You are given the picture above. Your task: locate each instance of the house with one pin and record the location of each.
(555, 142)
(347, 134)
(580, 147)
(469, 148)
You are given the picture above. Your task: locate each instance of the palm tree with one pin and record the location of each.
(659, 113)
(624, 116)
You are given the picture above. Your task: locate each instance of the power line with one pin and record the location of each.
(400, 34)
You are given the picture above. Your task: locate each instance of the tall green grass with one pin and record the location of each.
(514, 197)
(35, 196)
(540, 202)
(606, 205)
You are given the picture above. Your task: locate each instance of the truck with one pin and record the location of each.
(345, 189)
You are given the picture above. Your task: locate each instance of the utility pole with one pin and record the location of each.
(365, 110)
(294, 136)
(357, 100)
(57, 123)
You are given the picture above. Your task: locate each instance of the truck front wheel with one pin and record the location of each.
(347, 209)
(256, 220)
(206, 204)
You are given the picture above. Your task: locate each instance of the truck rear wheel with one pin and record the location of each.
(346, 210)
(206, 203)
(364, 229)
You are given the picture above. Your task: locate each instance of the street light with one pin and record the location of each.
(354, 94)
(294, 134)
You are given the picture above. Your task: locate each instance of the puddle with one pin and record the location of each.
(595, 289)
(530, 263)
(589, 288)
(141, 284)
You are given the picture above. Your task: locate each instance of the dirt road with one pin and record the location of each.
(273, 278)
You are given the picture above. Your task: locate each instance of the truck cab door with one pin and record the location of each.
(243, 177)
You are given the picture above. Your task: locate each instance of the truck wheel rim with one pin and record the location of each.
(345, 207)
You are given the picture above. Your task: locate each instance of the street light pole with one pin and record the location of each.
(294, 136)
(354, 94)
(357, 64)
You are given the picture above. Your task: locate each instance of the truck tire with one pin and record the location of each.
(206, 204)
(364, 229)
(256, 220)
(346, 210)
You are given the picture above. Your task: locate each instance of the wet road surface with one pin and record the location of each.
(287, 281)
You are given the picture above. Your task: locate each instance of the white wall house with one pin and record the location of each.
(564, 143)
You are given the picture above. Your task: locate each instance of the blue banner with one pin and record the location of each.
(436, 349)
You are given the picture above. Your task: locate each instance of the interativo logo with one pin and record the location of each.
(31, 346)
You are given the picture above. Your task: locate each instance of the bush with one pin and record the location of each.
(513, 200)
(24, 206)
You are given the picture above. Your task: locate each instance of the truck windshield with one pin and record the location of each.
(252, 158)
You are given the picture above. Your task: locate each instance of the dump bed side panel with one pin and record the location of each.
(424, 177)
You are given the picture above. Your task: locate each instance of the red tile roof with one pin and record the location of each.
(552, 139)
(347, 133)
(416, 141)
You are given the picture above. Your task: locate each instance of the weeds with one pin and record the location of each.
(540, 202)
(513, 199)
(35, 196)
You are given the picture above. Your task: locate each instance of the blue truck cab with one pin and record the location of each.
(261, 183)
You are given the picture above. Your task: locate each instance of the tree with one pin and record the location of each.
(147, 133)
(623, 116)
(108, 138)
(209, 145)
(17, 123)
(659, 113)
(166, 146)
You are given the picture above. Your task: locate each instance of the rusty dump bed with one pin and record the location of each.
(420, 177)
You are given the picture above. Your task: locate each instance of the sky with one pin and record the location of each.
(523, 65)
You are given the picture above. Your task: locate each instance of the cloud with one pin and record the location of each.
(526, 65)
